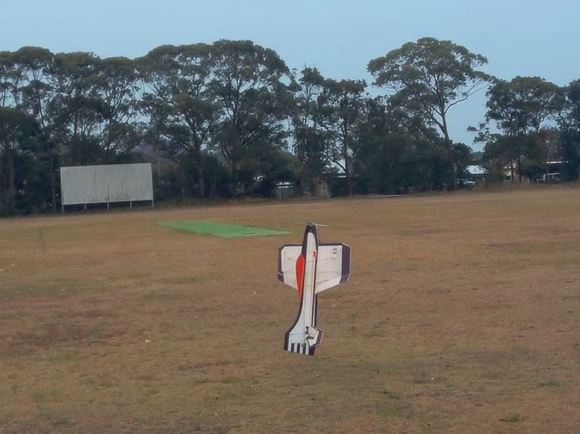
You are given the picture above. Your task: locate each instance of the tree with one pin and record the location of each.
(498, 155)
(180, 105)
(77, 111)
(548, 148)
(310, 138)
(520, 108)
(433, 76)
(34, 66)
(569, 122)
(28, 152)
(117, 89)
(9, 79)
(16, 128)
(463, 157)
(252, 100)
(397, 151)
(342, 106)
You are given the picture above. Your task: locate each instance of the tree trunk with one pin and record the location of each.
(348, 179)
(234, 180)
(52, 181)
(182, 183)
(213, 187)
(519, 150)
(11, 171)
(450, 159)
(347, 168)
(200, 179)
(2, 192)
(451, 163)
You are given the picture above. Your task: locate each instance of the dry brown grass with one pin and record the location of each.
(463, 315)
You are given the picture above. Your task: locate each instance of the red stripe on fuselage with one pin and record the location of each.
(300, 265)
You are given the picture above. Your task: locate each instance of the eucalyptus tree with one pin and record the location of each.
(77, 109)
(520, 108)
(569, 123)
(342, 106)
(573, 96)
(117, 91)
(32, 67)
(309, 136)
(250, 86)
(16, 129)
(397, 150)
(434, 76)
(25, 91)
(180, 105)
(36, 90)
(523, 105)
(94, 111)
(9, 80)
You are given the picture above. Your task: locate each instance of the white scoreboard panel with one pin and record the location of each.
(106, 184)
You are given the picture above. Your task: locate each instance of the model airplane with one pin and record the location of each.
(310, 268)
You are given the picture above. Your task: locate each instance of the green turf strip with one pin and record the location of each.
(221, 229)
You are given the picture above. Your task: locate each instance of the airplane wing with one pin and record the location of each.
(333, 266)
(287, 264)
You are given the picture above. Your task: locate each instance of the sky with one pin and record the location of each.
(339, 37)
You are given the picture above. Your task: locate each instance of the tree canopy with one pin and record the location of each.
(431, 76)
(230, 119)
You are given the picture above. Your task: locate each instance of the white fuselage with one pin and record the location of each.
(310, 268)
(309, 289)
(304, 334)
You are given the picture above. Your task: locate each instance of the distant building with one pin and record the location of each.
(553, 172)
(549, 172)
(476, 174)
(284, 190)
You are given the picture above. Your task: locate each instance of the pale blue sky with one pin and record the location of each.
(528, 37)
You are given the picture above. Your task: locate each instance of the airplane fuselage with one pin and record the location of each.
(304, 335)
(310, 268)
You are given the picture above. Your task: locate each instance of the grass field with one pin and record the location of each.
(462, 315)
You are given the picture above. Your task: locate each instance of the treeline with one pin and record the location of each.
(230, 118)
